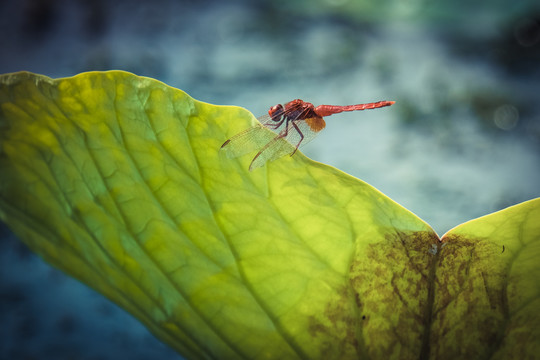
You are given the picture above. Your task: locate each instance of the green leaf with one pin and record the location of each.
(118, 180)
(488, 290)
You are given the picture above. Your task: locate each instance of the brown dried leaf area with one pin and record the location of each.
(417, 297)
(382, 312)
(391, 282)
(478, 310)
(337, 329)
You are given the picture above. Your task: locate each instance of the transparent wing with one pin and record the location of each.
(249, 140)
(274, 149)
(253, 138)
(271, 138)
(298, 133)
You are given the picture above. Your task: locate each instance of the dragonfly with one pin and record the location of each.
(285, 128)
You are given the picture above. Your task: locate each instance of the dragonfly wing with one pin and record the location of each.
(285, 143)
(274, 149)
(247, 141)
(271, 145)
(299, 133)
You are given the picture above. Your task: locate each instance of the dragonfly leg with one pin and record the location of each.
(275, 124)
(301, 136)
(285, 131)
(279, 136)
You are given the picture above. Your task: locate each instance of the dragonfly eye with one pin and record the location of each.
(276, 112)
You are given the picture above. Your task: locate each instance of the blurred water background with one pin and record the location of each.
(462, 140)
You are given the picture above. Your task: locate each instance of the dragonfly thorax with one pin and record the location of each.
(293, 110)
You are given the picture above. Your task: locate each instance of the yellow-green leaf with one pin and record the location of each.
(118, 180)
(488, 289)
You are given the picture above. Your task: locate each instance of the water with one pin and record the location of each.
(461, 141)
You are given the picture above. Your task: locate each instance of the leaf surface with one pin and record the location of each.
(118, 180)
(488, 289)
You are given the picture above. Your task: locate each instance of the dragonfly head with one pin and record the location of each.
(276, 112)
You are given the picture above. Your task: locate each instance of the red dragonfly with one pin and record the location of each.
(294, 124)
